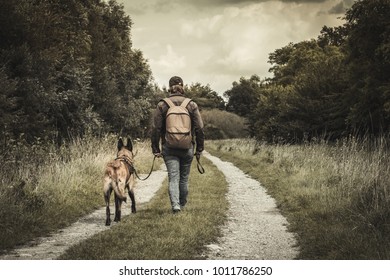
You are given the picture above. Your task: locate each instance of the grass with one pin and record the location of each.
(335, 196)
(154, 233)
(44, 188)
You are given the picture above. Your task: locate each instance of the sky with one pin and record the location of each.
(217, 42)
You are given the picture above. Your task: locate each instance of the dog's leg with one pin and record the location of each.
(107, 194)
(118, 206)
(131, 194)
(130, 187)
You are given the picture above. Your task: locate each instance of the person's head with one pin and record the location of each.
(176, 85)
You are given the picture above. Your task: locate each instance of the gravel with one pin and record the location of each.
(255, 228)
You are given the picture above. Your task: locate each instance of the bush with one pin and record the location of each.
(223, 125)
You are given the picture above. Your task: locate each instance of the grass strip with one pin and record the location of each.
(154, 233)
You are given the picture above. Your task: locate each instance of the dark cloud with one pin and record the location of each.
(238, 2)
(166, 6)
(341, 7)
(338, 9)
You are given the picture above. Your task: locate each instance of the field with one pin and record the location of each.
(335, 196)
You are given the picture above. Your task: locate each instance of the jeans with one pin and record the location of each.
(178, 164)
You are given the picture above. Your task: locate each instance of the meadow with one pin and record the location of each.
(336, 196)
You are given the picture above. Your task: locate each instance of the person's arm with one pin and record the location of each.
(156, 130)
(198, 129)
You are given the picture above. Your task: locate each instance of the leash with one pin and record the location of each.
(199, 165)
(151, 170)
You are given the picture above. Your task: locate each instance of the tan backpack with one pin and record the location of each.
(178, 125)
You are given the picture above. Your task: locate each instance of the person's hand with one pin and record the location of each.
(158, 155)
(197, 154)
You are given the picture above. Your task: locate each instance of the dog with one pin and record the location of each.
(119, 177)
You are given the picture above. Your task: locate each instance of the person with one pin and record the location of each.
(177, 161)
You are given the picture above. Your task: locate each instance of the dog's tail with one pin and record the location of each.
(111, 173)
(120, 194)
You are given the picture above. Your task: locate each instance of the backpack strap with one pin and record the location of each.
(169, 102)
(185, 102)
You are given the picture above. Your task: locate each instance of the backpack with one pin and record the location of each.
(178, 125)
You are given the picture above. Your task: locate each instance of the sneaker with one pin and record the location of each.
(176, 211)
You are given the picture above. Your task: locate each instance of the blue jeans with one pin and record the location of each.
(178, 164)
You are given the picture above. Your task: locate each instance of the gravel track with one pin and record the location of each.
(255, 228)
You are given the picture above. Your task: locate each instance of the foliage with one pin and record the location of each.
(204, 96)
(368, 52)
(68, 67)
(243, 96)
(220, 124)
(304, 99)
(243, 99)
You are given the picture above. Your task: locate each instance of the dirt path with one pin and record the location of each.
(255, 228)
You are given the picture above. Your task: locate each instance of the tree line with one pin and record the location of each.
(335, 85)
(68, 67)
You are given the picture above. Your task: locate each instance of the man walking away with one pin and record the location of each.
(179, 126)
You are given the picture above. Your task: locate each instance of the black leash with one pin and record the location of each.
(151, 170)
(199, 165)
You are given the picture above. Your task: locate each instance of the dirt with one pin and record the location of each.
(255, 228)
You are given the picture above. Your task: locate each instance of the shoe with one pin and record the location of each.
(176, 211)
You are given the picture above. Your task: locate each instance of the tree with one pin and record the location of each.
(305, 98)
(368, 46)
(204, 96)
(243, 96)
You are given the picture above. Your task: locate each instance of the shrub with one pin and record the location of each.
(223, 125)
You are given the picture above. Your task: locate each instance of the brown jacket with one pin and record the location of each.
(158, 129)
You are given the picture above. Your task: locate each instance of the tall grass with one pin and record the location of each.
(336, 196)
(44, 187)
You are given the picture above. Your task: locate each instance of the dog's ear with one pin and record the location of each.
(129, 144)
(120, 144)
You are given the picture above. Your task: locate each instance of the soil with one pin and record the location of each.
(255, 229)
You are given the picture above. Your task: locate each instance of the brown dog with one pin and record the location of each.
(119, 176)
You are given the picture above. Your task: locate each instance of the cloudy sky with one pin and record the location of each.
(216, 42)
